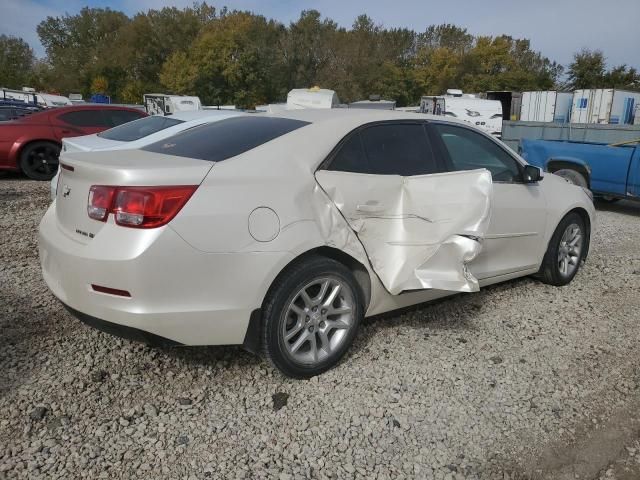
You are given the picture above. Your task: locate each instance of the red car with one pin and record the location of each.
(32, 144)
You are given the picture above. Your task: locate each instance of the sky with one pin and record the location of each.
(556, 28)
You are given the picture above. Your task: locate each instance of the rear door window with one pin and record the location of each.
(350, 157)
(138, 129)
(118, 117)
(227, 138)
(85, 118)
(398, 149)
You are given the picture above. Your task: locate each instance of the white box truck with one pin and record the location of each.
(604, 105)
(546, 106)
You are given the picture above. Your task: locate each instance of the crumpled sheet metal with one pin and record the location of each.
(419, 232)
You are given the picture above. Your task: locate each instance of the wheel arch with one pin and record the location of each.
(555, 164)
(19, 147)
(253, 336)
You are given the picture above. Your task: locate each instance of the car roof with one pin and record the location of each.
(355, 117)
(189, 115)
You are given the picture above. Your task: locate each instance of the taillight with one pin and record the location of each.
(138, 207)
(100, 200)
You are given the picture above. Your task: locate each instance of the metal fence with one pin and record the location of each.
(513, 132)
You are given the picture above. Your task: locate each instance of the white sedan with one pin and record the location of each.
(281, 232)
(138, 133)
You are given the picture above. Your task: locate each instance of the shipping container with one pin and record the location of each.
(546, 106)
(604, 105)
(510, 101)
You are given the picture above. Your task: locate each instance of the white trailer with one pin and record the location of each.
(604, 105)
(546, 106)
(485, 114)
(162, 104)
(316, 97)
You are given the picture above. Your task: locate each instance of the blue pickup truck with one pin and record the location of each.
(611, 172)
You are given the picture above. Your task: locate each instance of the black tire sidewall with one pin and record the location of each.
(279, 299)
(552, 270)
(24, 158)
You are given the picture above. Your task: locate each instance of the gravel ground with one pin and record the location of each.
(517, 381)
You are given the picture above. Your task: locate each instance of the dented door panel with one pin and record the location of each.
(419, 232)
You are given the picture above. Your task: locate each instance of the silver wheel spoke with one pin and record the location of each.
(314, 346)
(297, 310)
(324, 340)
(301, 341)
(294, 331)
(338, 310)
(332, 296)
(323, 291)
(336, 324)
(306, 298)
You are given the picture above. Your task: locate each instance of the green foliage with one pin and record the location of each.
(234, 57)
(588, 70)
(16, 62)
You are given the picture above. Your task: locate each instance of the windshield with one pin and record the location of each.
(128, 132)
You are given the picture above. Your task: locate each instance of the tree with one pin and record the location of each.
(587, 70)
(16, 62)
(623, 77)
(100, 84)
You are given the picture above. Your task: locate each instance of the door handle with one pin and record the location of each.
(370, 208)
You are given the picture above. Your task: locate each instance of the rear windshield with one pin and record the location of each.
(225, 139)
(128, 132)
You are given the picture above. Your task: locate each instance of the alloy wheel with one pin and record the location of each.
(569, 250)
(318, 319)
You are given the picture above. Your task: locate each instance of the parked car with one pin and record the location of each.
(32, 144)
(10, 112)
(280, 232)
(612, 172)
(139, 133)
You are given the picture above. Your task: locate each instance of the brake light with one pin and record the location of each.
(100, 199)
(138, 207)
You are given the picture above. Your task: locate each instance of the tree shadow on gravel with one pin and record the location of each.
(450, 313)
(21, 338)
(625, 207)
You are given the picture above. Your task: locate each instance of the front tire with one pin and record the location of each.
(311, 317)
(39, 160)
(573, 177)
(565, 251)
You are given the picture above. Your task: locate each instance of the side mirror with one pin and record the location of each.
(532, 174)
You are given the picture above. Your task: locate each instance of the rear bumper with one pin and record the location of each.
(122, 331)
(177, 292)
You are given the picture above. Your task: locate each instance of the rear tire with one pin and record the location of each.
(39, 160)
(572, 176)
(565, 251)
(311, 317)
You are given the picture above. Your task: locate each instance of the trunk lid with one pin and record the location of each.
(87, 143)
(80, 171)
